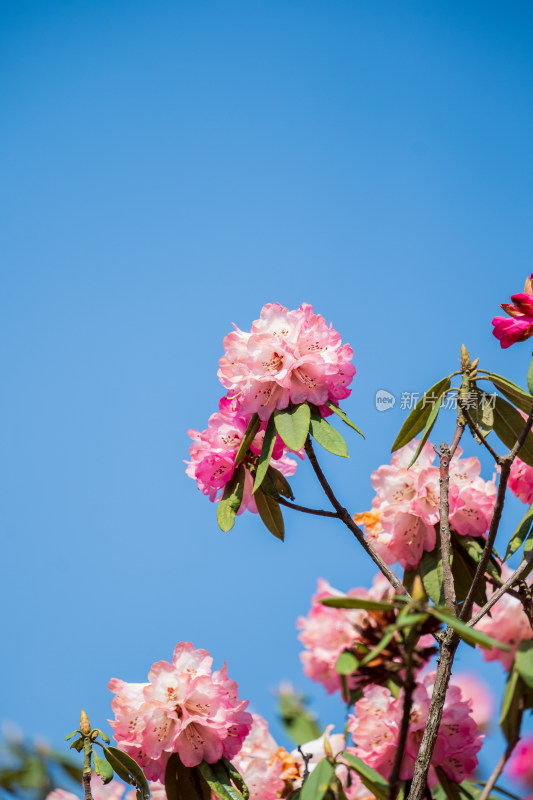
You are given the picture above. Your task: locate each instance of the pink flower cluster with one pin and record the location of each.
(507, 624)
(376, 723)
(213, 453)
(114, 790)
(521, 764)
(521, 481)
(286, 356)
(266, 768)
(184, 708)
(520, 325)
(405, 510)
(328, 632)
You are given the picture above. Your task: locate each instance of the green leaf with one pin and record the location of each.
(340, 413)
(103, 736)
(71, 735)
(463, 571)
(266, 453)
(236, 777)
(346, 663)
(299, 723)
(511, 714)
(387, 637)
(508, 425)
(249, 436)
(103, 768)
(184, 783)
(524, 662)
(430, 569)
(231, 500)
(77, 745)
(357, 602)
(371, 779)
(279, 483)
(127, 769)
(318, 781)
(470, 635)
(327, 436)
(428, 427)
(451, 788)
(512, 392)
(292, 424)
(418, 417)
(473, 546)
(270, 514)
(520, 534)
(530, 378)
(218, 779)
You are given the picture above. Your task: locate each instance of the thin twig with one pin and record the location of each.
(318, 512)
(498, 769)
(408, 689)
(509, 583)
(344, 515)
(476, 430)
(445, 455)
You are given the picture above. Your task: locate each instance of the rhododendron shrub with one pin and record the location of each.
(415, 727)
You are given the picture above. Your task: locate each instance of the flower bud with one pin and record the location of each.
(465, 358)
(85, 725)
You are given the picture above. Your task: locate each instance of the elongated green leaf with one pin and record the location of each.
(103, 768)
(428, 427)
(71, 735)
(511, 714)
(77, 745)
(218, 779)
(326, 435)
(418, 417)
(249, 436)
(520, 398)
(270, 514)
(340, 413)
(463, 570)
(299, 723)
(318, 781)
(524, 661)
(104, 736)
(184, 783)
(430, 569)
(409, 620)
(127, 769)
(473, 546)
(470, 635)
(357, 602)
(279, 483)
(371, 779)
(520, 534)
(508, 425)
(292, 424)
(346, 663)
(266, 453)
(451, 788)
(236, 777)
(231, 500)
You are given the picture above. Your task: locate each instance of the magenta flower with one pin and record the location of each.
(520, 325)
(184, 708)
(288, 356)
(521, 481)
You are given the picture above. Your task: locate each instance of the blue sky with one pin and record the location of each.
(167, 168)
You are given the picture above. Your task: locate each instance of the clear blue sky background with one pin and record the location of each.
(167, 168)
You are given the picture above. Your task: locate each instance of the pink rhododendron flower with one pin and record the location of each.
(521, 764)
(267, 769)
(521, 481)
(286, 356)
(184, 708)
(479, 696)
(114, 790)
(327, 744)
(213, 453)
(328, 632)
(520, 325)
(507, 623)
(401, 525)
(376, 723)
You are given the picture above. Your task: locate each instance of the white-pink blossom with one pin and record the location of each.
(287, 356)
(521, 481)
(401, 525)
(185, 708)
(375, 728)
